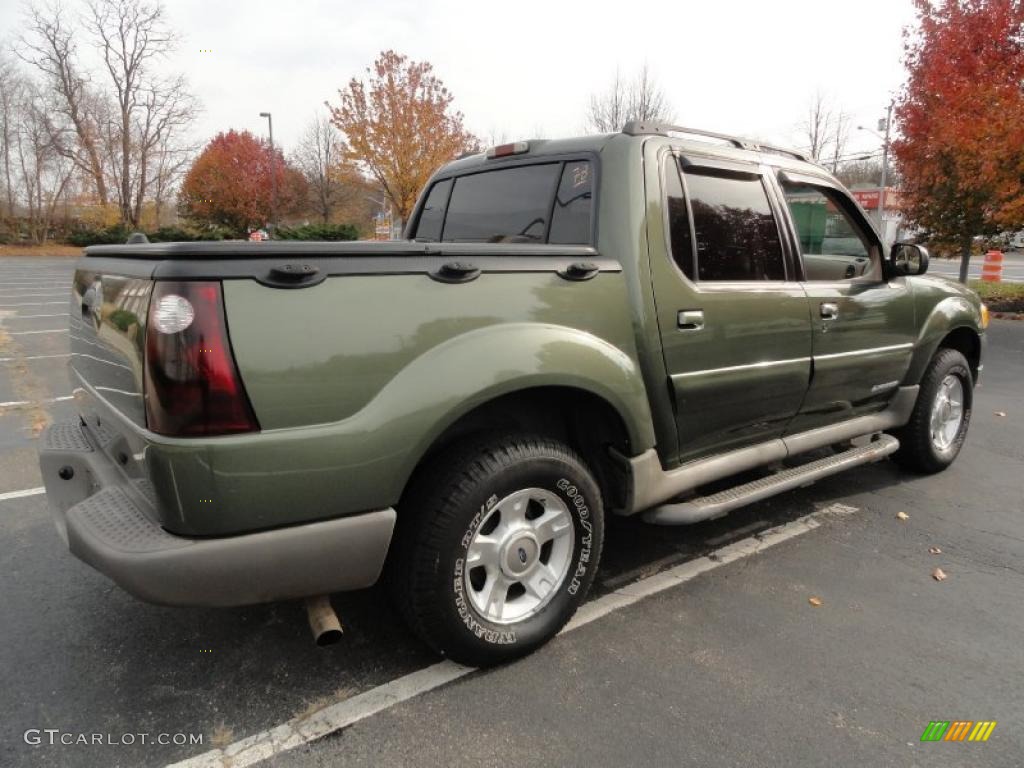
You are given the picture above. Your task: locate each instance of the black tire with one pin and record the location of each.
(917, 450)
(454, 497)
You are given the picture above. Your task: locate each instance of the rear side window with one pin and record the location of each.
(432, 215)
(735, 231)
(678, 221)
(510, 205)
(570, 218)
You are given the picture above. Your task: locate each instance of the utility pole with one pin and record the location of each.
(272, 225)
(885, 172)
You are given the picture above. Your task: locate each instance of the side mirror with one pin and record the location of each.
(908, 259)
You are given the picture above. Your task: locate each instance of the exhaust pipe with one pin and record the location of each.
(323, 620)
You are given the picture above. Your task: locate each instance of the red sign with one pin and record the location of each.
(868, 198)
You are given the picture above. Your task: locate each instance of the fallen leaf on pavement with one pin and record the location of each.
(902, 516)
(939, 575)
(1000, 413)
(817, 602)
(934, 551)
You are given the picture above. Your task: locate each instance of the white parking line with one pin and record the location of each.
(44, 401)
(46, 295)
(306, 728)
(26, 333)
(21, 494)
(33, 304)
(34, 317)
(31, 357)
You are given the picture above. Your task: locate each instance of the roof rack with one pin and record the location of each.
(640, 128)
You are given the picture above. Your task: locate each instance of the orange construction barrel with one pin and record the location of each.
(992, 269)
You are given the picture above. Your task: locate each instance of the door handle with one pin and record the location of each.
(829, 310)
(690, 320)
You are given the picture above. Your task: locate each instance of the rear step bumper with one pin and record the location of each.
(716, 505)
(107, 521)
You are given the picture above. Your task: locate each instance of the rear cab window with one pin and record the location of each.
(543, 202)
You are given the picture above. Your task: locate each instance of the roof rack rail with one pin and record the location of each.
(641, 128)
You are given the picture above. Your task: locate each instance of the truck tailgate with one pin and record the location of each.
(108, 333)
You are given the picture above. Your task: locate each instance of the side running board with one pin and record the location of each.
(718, 504)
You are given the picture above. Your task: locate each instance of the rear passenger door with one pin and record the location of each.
(863, 323)
(733, 320)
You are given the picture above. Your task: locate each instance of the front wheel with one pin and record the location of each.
(499, 544)
(933, 437)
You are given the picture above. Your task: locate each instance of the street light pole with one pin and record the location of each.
(272, 225)
(885, 172)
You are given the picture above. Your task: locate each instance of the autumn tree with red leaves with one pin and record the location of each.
(961, 116)
(229, 185)
(400, 126)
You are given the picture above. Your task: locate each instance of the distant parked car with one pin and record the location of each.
(258, 235)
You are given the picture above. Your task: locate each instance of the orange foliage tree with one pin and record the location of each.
(400, 126)
(961, 115)
(229, 184)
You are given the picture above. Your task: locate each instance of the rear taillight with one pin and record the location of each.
(192, 383)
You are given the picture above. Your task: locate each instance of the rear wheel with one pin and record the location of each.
(933, 437)
(498, 544)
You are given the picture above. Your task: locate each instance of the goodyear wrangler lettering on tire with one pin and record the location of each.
(458, 584)
(474, 626)
(588, 537)
(476, 520)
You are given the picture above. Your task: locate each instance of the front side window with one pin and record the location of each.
(833, 244)
(509, 205)
(734, 229)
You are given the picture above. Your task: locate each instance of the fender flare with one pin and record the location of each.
(946, 316)
(452, 379)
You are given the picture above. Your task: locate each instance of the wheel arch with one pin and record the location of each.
(967, 342)
(585, 420)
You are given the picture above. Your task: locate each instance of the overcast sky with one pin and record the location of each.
(523, 68)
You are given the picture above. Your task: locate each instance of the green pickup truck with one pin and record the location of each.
(571, 329)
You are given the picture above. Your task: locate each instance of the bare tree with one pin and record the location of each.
(867, 170)
(132, 36)
(41, 173)
(817, 125)
(49, 46)
(826, 129)
(165, 112)
(115, 128)
(172, 161)
(320, 157)
(639, 98)
(10, 88)
(840, 137)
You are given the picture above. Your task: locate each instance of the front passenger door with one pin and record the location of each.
(863, 324)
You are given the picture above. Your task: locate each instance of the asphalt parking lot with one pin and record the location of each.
(731, 665)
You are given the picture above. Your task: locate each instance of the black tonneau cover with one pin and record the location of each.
(242, 249)
(302, 264)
